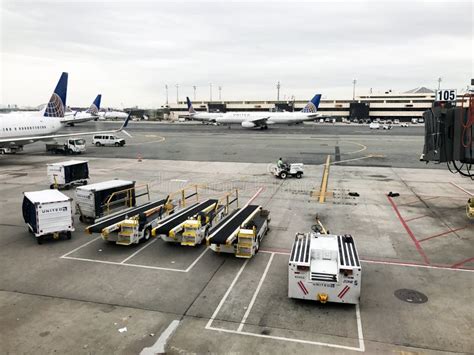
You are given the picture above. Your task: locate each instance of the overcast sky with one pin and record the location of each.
(129, 50)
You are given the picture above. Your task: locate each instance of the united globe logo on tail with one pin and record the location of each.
(57, 103)
(312, 106)
(55, 107)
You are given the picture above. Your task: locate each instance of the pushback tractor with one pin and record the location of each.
(324, 268)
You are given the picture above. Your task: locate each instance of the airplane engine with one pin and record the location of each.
(247, 124)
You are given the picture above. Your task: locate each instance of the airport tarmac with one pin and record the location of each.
(86, 296)
(350, 145)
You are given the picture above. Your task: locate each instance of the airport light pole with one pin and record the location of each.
(354, 82)
(210, 92)
(278, 90)
(220, 91)
(194, 88)
(177, 93)
(439, 83)
(166, 87)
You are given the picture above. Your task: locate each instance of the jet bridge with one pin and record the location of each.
(241, 232)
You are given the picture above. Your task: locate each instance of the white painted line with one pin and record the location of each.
(197, 259)
(82, 246)
(287, 339)
(221, 303)
(178, 180)
(159, 346)
(254, 297)
(117, 263)
(208, 326)
(139, 250)
(463, 189)
(389, 263)
(416, 266)
(359, 329)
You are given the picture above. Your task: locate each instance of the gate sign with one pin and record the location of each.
(446, 95)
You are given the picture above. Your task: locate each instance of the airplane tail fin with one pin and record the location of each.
(312, 106)
(95, 107)
(190, 105)
(57, 103)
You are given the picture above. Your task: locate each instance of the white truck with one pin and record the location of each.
(11, 150)
(324, 268)
(48, 212)
(67, 173)
(70, 146)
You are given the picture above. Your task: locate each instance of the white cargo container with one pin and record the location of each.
(324, 268)
(68, 173)
(91, 200)
(48, 212)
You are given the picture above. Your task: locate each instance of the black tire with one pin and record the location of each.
(81, 219)
(146, 235)
(97, 144)
(117, 144)
(257, 247)
(69, 151)
(39, 240)
(51, 186)
(68, 235)
(299, 175)
(283, 175)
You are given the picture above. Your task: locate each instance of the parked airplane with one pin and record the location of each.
(263, 119)
(83, 116)
(202, 116)
(18, 129)
(111, 114)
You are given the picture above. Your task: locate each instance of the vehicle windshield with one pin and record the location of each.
(80, 141)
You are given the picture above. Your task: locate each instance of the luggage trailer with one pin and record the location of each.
(325, 268)
(241, 232)
(134, 225)
(190, 225)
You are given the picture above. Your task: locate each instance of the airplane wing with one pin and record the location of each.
(31, 139)
(259, 121)
(75, 119)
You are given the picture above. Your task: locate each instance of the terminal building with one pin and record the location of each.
(403, 106)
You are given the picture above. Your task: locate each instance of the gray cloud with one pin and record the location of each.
(128, 51)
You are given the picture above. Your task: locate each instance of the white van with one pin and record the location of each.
(107, 139)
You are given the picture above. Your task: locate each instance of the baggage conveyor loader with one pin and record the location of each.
(135, 225)
(241, 232)
(191, 225)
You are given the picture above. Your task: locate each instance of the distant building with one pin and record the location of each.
(403, 106)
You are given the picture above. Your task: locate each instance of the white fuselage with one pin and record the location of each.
(28, 124)
(270, 117)
(113, 114)
(205, 116)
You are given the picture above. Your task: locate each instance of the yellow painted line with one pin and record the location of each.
(324, 183)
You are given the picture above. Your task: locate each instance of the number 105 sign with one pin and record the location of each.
(446, 95)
